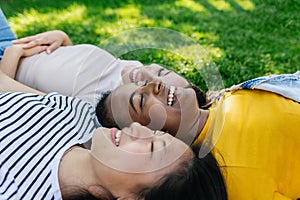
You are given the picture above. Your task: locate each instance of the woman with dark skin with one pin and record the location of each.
(254, 130)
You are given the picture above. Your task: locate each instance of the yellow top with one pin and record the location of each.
(258, 135)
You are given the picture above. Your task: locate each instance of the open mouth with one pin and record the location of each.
(115, 136)
(133, 74)
(171, 96)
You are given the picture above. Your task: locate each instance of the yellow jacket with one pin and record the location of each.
(257, 134)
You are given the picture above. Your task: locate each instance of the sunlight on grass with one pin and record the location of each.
(190, 4)
(208, 35)
(246, 4)
(236, 34)
(220, 5)
(128, 17)
(70, 15)
(130, 11)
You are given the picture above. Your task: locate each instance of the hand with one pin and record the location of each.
(12, 56)
(19, 51)
(52, 40)
(33, 50)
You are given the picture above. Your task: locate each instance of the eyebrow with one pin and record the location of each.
(131, 100)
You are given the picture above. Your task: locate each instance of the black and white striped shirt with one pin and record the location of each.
(35, 131)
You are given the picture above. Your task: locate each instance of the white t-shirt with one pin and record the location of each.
(84, 71)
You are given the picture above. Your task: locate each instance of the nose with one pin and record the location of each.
(139, 131)
(153, 86)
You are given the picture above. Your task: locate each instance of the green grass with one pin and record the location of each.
(244, 38)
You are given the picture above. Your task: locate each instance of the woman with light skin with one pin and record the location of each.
(83, 71)
(255, 131)
(43, 154)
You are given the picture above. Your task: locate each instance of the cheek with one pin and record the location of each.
(175, 80)
(143, 120)
(173, 122)
(137, 148)
(137, 155)
(158, 117)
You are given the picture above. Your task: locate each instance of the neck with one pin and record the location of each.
(75, 171)
(189, 133)
(202, 121)
(199, 124)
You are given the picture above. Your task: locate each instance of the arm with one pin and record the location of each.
(12, 56)
(7, 84)
(52, 39)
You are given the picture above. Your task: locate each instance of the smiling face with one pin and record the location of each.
(155, 105)
(135, 157)
(132, 74)
(137, 149)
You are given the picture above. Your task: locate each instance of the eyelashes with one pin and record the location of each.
(152, 146)
(146, 83)
(141, 101)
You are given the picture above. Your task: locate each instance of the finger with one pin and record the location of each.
(30, 45)
(25, 39)
(35, 50)
(39, 49)
(21, 41)
(36, 42)
(52, 47)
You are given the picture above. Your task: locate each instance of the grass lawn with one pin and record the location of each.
(243, 38)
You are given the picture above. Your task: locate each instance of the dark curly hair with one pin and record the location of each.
(106, 119)
(103, 114)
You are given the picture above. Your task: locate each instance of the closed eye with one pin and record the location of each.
(152, 146)
(160, 144)
(141, 101)
(160, 72)
(146, 82)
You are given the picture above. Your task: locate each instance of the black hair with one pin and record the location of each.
(200, 95)
(76, 193)
(103, 114)
(194, 180)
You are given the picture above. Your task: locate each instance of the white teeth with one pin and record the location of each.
(171, 95)
(134, 73)
(117, 137)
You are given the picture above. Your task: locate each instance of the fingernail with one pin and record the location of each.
(48, 51)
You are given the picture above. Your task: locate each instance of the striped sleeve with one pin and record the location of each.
(34, 130)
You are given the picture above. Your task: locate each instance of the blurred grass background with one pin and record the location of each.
(245, 38)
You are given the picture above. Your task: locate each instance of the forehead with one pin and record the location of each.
(124, 90)
(119, 104)
(168, 76)
(122, 94)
